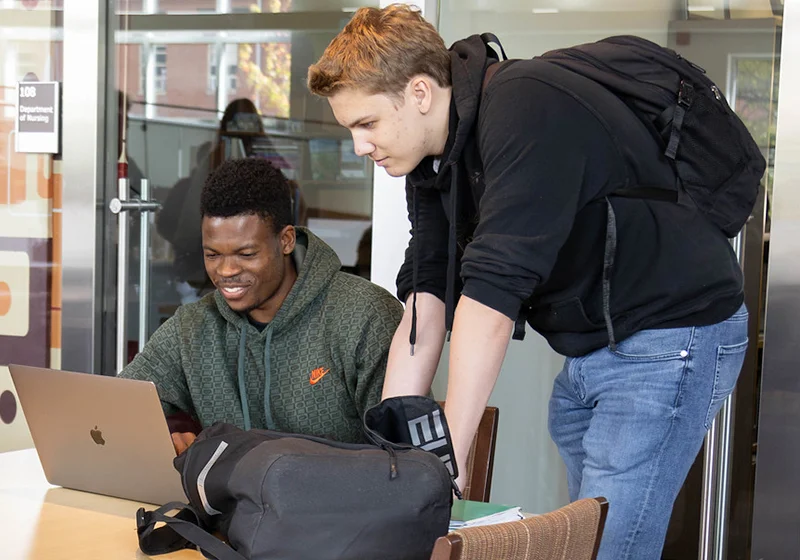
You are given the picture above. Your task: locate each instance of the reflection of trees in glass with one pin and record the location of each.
(773, 126)
(755, 86)
(753, 81)
(269, 80)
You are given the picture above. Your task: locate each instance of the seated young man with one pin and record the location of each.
(286, 341)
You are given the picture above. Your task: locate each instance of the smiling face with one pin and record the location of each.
(249, 263)
(396, 133)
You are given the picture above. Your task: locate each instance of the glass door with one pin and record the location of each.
(31, 40)
(197, 82)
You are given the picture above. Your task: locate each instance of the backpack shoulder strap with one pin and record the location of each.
(181, 531)
(491, 70)
(489, 38)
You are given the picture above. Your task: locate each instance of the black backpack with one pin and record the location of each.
(272, 495)
(716, 161)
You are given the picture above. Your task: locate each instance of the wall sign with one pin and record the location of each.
(38, 117)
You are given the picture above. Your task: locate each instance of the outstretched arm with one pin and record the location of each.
(412, 375)
(477, 349)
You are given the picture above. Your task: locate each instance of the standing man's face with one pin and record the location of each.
(247, 262)
(391, 132)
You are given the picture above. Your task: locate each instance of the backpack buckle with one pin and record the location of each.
(685, 94)
(143, 519)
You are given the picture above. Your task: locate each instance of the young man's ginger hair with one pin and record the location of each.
(379, 51)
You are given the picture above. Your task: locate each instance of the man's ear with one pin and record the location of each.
(421, 92)
(288, 237)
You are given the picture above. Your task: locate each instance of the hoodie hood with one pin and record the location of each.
(469, 59)
(316, 263)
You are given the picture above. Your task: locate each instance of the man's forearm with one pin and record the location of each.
(412, 375)
(477, 349)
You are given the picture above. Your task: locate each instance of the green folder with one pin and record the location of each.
(466, 513)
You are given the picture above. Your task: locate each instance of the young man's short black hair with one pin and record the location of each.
(248, 186)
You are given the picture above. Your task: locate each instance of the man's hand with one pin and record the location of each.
(182, 441)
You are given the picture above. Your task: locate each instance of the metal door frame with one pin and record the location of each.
(776, 512)
(83, 167)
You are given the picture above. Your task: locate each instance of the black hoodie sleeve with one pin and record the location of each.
(539, 148)
(429, 235)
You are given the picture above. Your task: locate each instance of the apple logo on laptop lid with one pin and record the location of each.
(97, 436)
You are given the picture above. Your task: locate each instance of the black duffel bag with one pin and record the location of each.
(271, 495)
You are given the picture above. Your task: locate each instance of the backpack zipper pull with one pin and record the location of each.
(392, 462)
(456, 489)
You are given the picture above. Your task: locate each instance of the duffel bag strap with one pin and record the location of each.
(179, 531)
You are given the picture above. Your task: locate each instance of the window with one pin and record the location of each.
(231, 59)
(29, 66)
(159, 70)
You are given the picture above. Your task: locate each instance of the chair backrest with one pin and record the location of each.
(480, 461)
(573, 531)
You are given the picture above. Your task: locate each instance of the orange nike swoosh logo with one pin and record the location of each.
(317, 375)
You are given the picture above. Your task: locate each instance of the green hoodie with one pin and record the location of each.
(314, 369)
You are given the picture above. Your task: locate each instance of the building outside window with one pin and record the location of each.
(160, 72)
(231, 59)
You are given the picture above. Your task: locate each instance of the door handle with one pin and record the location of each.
(120, 206)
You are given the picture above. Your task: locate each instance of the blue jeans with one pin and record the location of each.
(629, 424)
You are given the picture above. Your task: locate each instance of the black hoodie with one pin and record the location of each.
(518, 207)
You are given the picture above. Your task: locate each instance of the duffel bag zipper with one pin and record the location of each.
(392, 461)
(381, 442)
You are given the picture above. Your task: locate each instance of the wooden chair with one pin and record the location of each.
(480, 461)
(573, 532)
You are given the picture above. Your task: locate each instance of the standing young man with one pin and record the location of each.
(506, 197)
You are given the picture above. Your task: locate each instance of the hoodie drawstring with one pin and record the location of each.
(240, 375)
(450, 298)
(267, 376)
(412, 336)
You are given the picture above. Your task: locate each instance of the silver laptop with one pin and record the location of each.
(99, 434)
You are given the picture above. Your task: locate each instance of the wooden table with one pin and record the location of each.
(43, 522)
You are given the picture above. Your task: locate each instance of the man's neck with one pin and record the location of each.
(441, 120)
(257, 324)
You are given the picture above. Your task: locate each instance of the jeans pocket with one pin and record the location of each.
(656, 345)
(726, 373)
